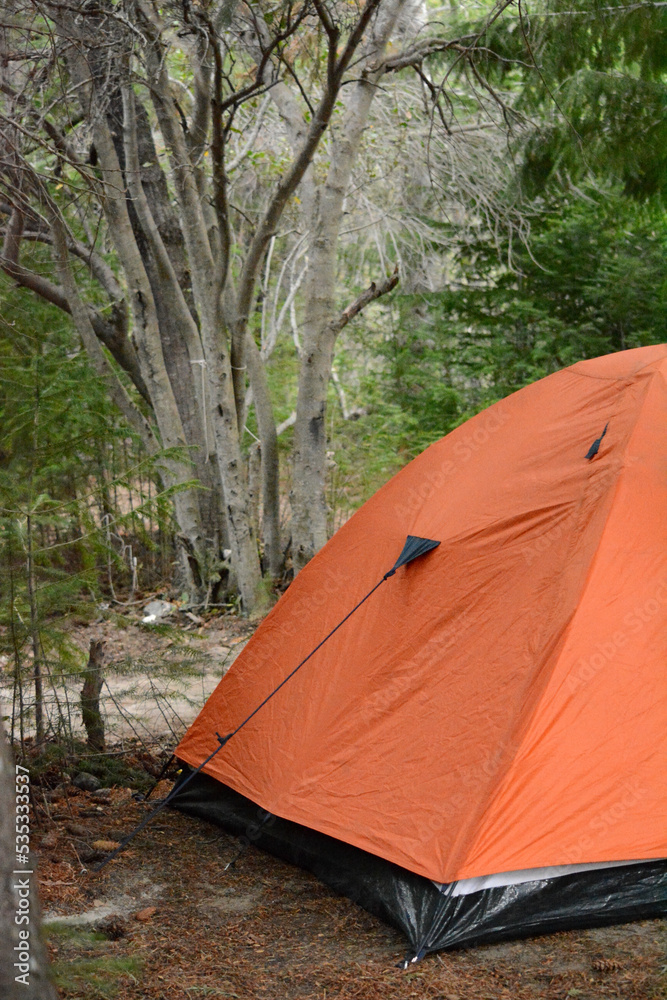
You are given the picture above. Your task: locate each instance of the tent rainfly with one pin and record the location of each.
(478, 751)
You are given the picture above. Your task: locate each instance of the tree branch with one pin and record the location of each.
(191, 210)
(96, 264)
(416, 54)
(81, 318)
(250, 141)
(372, 292)
(271, 45)
(218, 157)
(113, 337)
(63, 149)
(266, 227)
(201, 117)
(356, 36)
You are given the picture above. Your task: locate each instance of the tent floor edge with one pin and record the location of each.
(597, 898)
(429, 919)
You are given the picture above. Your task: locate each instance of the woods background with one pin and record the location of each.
(256, 256)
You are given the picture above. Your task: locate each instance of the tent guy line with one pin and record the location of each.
(414, 548)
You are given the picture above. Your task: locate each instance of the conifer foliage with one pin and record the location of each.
(82, 520)
(598, 93)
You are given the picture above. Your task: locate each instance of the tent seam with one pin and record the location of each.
(473, 841)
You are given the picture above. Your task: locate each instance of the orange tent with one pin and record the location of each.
(498, 704)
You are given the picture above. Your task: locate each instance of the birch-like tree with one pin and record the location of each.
(154, 158)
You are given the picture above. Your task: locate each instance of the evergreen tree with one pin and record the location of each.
(78, 502)
(593, 92)
(592, 280)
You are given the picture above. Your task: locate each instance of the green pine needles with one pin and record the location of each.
(82, 521)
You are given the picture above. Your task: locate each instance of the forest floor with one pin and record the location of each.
(166, 921)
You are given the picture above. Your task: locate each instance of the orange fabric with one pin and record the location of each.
(499, 703)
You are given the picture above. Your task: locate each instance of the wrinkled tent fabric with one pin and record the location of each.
(499, 704)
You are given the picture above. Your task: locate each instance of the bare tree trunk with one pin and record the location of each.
(270, 467)
(90, 697)
(175, 471)
(208, 278)
(309, 513)
(242, 538)
(308, 499)
(175, 235)
(23, 963)
(160, 241)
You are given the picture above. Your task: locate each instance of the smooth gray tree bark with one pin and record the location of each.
(169, 287)
(325, 205)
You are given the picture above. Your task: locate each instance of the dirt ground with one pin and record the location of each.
(166, 920)
(155, 678)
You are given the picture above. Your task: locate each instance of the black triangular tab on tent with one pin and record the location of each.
(595, 447)
(413, 548)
